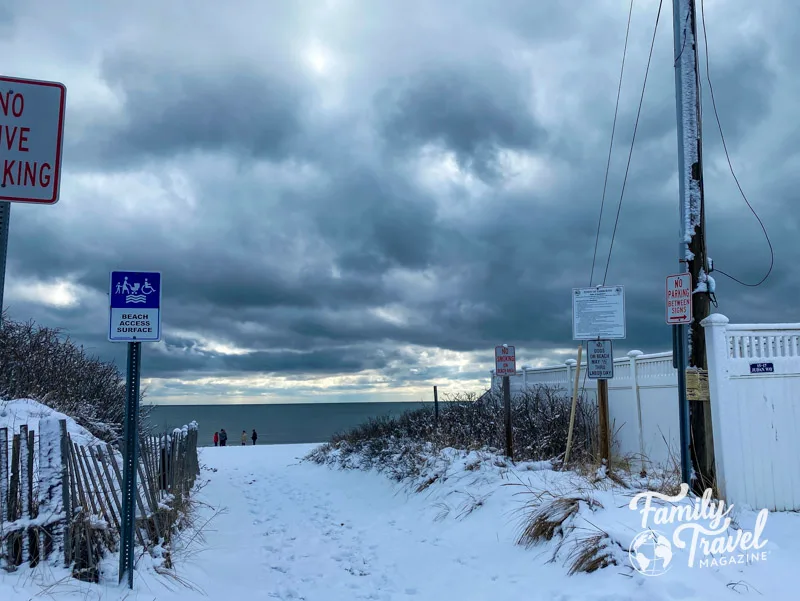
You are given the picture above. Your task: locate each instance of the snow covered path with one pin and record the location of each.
(309, 532)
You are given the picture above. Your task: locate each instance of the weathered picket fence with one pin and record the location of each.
(63, 503)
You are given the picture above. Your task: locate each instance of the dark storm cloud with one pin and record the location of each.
(473, 112)
(743, 86)
(167, 111)
(320, 249)
(379, 222)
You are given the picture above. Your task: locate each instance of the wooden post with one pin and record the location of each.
(3, 474)
(692, 246)
(435, 407)
(33, 534)
(574, 404)
(509, 430)
(13, 499)
(173, 471)
(53, 498)
(66, 498)
(24, 504)
(602, 408)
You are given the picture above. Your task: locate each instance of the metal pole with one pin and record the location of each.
(5, 215)
(683, 405)
(507, 404)
(130, 448)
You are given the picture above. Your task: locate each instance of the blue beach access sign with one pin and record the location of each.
(135, 307)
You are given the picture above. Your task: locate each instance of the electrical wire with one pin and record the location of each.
(611, 144)
(633, 140)
(608, 166)
(730, 165)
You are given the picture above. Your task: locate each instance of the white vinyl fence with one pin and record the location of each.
(754, 384)
(754, 389)
(642, 402)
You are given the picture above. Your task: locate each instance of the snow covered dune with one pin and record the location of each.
(21, 412)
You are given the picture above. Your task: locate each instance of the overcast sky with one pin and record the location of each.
(354, 200)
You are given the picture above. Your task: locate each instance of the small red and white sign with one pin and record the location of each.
(31, 138)
(505, 361)
(679, 298)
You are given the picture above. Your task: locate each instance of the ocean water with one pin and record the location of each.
(275, 424)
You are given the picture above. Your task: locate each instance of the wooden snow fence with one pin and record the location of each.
(62, 502)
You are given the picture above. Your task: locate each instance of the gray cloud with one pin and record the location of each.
(473, 112)
(167, 112)
(315, 220)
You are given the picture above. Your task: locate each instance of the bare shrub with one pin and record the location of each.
(540, 424)
(42, 364)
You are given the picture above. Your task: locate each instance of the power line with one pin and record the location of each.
(608, 168)
(611, 144)
(633, 140)
(730, 165)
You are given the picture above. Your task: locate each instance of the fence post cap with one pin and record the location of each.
(633, 354)
(571, 362)
(715, 319)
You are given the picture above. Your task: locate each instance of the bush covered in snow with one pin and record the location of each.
(39, 363)
(400, 445)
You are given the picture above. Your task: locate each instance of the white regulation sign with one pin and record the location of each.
(679, 298)
(601, 360)
(31, 138)
(505, 361)
(598, 312)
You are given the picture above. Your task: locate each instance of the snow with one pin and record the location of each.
(715, 318)
(20, 412)
(275, 527)
(688, 126)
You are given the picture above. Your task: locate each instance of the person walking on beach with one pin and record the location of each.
(223, 437)
(244, 438)
(254, 436)
(216, 438)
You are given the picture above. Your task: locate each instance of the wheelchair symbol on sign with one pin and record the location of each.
(134, 291)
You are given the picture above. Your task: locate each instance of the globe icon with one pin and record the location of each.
(650, 553)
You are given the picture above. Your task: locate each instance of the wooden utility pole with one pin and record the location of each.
(602, 408)
(692, 248)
